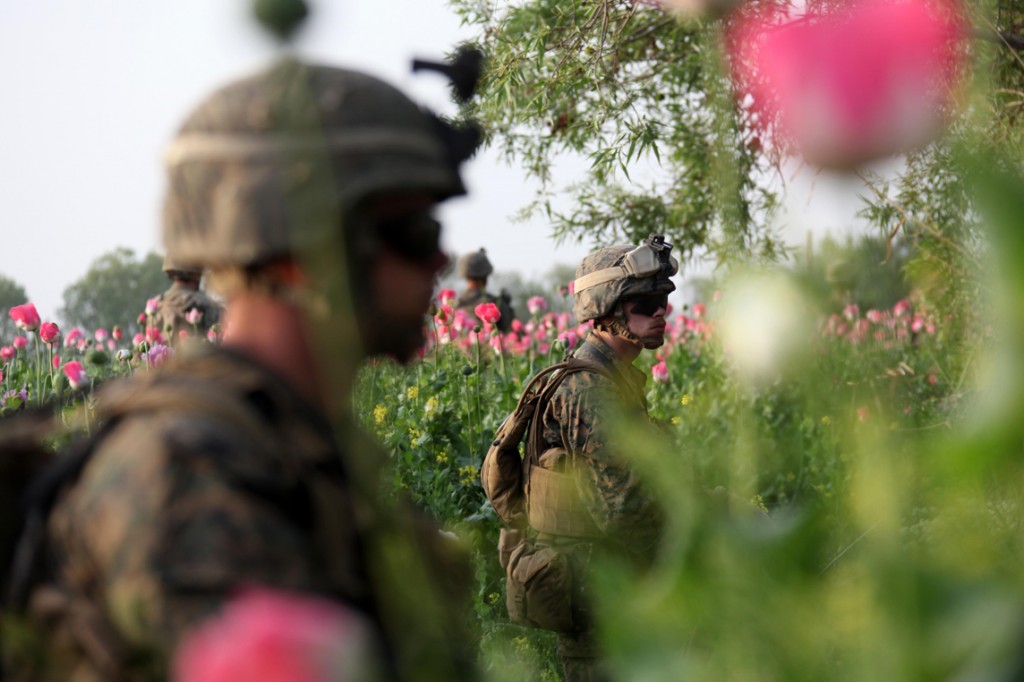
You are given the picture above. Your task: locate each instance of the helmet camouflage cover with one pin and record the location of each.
(601, 299)
(475, 265)
(266, 166)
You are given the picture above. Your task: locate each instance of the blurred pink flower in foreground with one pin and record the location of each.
(152, 305)
(116, 332)
(488, 312)
(76, 374)
(49, 332)
(272, 636)
(7, 353)
(25, 316)
(446, 296)
(56, 362)
(20, 342)
(536, 305)
(194, 316)
(660, 372)
(847, 85)
(101, 335)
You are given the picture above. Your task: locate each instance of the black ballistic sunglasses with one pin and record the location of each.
(647, 305)
(416, 236)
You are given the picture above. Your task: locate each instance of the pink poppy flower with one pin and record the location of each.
(444, 314)
(444, 334)
(158, 353)
(267, 635)
(853, 82)
(111, 344)
(25, 316)
(138, 339)
(1, 377)
(117, 333)
(699, 310)
(516, 326)
(20, 342)
(141, 319)
(101, 335)
(446, 296)
(536, 305)
(56, 362)
(852, 311)
(49, 333)
(660, 372)
(72, 338)
(488, 312)
(7, 353)
(863, 413)
(569, 339)
(194, 316)
(76, 374)
(152, 305)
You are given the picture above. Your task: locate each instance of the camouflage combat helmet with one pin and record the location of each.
(267, 166)
(610, 274)
(180, 270)
(475, 265)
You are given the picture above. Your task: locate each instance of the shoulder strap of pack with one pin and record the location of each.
(534, 444)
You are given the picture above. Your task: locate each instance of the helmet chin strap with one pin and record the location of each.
(615, 324)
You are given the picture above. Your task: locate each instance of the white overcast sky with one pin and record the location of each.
(93, 91)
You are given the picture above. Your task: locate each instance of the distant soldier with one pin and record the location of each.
(184, 309)
(624, 290)
(305, 192)
(475, 268)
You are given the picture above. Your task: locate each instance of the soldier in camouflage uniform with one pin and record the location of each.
(475, 268)
(624, 290)
(184, 300)
(305, 192)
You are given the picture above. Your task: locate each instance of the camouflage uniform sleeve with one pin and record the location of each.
(169, 517)
(609, 488)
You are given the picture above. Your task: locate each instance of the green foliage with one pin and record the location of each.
(113, 291)
(638, 96)
(11, 294)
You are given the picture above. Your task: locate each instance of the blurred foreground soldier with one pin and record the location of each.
(475, 268)
(584, 496)
(305, 192)
(184, 309)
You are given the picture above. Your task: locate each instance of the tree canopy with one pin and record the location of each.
(114, 290)
(642, 98)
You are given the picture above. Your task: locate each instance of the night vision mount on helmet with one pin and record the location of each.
(610, 274)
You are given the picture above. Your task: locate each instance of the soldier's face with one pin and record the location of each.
(645, 317)
(402, 277)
